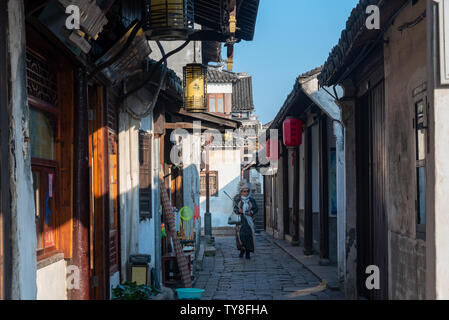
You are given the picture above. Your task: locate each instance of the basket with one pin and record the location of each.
(189, 293)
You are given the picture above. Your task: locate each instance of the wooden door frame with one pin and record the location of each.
(99, 211)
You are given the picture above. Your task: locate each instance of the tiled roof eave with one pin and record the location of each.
(355, 28)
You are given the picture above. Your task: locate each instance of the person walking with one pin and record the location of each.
(246, 207)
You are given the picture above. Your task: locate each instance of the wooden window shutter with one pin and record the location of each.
(145, 184)
(111, 121)
(213, 184)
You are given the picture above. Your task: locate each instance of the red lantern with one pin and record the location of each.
(292, 132)
(273, 150)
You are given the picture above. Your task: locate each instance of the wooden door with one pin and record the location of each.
(364, 227)
(378, 187)
(372, 225)
(99, 197)
(285, 196)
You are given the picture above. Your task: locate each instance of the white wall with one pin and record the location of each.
(228, 164)
(51, 282)
(219, 88)
(23, 225)
(177, 61)
(114, 281)
(129, 187)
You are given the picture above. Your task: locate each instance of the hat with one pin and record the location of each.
(244, 186)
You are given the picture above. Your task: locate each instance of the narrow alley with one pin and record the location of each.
(270, 274)
(224, 150)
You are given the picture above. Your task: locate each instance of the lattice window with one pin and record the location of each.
(41, 79)
(145, 185)
(213, 183)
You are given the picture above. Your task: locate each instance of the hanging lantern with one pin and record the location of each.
(169, 19)
(292, 129)
(195, 88)
(273, 150)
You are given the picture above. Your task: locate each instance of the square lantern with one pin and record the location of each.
(169, 20)
(292, 131)
(139, 269)
(195, 87)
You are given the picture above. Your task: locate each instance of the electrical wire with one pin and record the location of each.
(154, 68)
(151, 106)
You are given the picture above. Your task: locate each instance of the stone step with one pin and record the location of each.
(209, 251)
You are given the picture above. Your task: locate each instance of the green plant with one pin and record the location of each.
(131, 291)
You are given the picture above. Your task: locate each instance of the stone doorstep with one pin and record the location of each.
(311, 263)
(210, 251)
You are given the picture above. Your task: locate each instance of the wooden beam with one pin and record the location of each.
(231, 124)
(189, 126)
(32, 7)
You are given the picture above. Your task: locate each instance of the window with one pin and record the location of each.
(50, 93)
(216, 103)
(213, 183)
(145, 185)
(43, 187)
(44, 117)
(113, 202)
(43, 137)
(421, 151)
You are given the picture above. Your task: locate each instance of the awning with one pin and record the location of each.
(211, 13)
(181, 119)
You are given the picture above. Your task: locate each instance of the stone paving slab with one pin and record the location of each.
(326, 273)
(270, 274)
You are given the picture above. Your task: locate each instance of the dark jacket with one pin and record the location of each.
(238, 204)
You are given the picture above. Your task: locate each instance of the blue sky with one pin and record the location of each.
(292, 37)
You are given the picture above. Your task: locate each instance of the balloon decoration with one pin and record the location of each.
(186, 213)
(197, 212)
(163, 233)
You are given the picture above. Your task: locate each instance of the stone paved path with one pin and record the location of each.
(271, 274)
